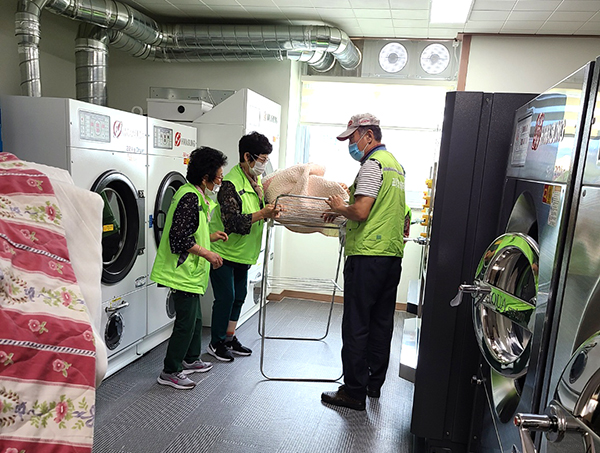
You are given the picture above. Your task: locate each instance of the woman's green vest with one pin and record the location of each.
(240, 248)
(382, 234)
(192, 274)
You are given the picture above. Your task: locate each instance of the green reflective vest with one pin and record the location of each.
(382, 233)
(240, 248)
(191, 275)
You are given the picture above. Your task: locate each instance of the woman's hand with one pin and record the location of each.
(218, 235)
(270, 211)
(213, 258)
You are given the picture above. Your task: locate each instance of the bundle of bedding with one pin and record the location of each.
(48, 344)
(303, 214)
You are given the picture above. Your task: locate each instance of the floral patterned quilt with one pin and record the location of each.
(47, 350)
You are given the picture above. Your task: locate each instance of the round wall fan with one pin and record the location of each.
(435, 58)
(393, 57)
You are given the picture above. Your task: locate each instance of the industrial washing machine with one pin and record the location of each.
(169, 146)
(570, 414)
(105, 151)
(517, 279)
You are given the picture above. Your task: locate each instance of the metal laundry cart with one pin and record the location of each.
(302, 214)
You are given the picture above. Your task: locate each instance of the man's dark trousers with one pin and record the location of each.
(370, 285)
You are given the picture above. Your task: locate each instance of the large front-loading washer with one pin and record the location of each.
(516, 282)
(105, 151)
(169, 147)
(570, 414)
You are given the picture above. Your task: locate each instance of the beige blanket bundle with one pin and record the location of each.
(303, 215)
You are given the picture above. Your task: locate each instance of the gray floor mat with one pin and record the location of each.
(235, 409)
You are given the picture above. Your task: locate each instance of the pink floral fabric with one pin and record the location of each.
(47, 351)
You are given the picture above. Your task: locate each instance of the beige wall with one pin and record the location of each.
(525, 64)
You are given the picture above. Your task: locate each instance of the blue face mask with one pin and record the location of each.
(355, 153)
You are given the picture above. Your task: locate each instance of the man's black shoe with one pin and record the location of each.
(373, 393)
(341, 398)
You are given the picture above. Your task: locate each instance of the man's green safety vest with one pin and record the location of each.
(240, 248)
(381, 234)
(191, 275)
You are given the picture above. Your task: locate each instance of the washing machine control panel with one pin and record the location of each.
(94, 126)
(162, 137)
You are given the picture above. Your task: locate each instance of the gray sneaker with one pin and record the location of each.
(176, 380)
(196, 367)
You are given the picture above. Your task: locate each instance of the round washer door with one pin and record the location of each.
(169, 185)
(504, 315)
(170, 305)
(122, 224)
(113, 333)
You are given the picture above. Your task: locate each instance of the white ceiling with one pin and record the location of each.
(389, 18)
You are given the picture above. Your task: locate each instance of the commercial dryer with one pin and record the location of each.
(105, 151)
(169, 147)
(516, 281)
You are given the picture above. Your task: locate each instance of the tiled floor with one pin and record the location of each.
(235, 409)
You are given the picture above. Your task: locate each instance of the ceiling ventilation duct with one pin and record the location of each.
(141, 36)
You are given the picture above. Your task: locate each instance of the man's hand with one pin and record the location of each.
(218, 235)
(329, 217)
(336, 203)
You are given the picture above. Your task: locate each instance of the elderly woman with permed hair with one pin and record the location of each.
(183, 263)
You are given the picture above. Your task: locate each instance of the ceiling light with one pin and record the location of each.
(393, 57)
(450, 11)
(435, 58)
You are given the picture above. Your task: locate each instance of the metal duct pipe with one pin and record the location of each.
(112, 15)
(265, 37)
(27, 30)
(319, 60)
(187, 55)
(171, 42)
(91, 64)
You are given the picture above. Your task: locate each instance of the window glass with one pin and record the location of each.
(411, 120)
(406, 106)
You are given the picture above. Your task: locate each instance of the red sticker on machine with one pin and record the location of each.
(537, 135)
(117, 128)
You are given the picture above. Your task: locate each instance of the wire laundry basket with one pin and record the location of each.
(302, 214)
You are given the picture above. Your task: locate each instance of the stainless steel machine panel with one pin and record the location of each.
(571, 421)
(580, 315)
(547, 131)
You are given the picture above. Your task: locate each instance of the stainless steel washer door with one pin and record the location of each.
(503, 316)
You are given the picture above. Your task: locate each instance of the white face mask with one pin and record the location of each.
(259, 168)
(212, 194)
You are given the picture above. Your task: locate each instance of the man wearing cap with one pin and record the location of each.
(374, 250)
